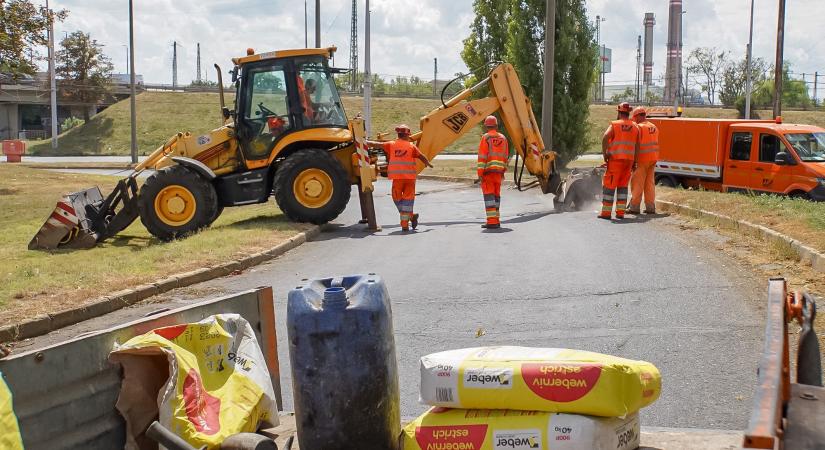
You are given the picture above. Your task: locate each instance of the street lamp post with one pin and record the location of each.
(132, 104)
(549, 72)
(748, 69)
(52, 80)
(600, 93)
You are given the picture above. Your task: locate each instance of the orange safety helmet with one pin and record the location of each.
(403, 129)
(624, 107)
(638, 111)
(491, 121)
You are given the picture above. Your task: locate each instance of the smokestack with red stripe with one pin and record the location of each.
(674, 51)
(650, 20)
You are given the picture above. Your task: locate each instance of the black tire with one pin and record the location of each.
(201, 190)
(667, 181)
(218, 212)
(296, 164)
(800, 195)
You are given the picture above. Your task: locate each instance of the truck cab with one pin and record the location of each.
(760, 156)
(776, 158)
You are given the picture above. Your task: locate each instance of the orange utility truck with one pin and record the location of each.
(729, 155)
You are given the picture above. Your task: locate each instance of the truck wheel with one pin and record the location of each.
(667, 181)
(175, 202)
(311, 186)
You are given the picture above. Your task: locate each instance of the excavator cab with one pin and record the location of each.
(282, 96)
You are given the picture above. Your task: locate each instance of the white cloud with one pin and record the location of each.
(407, 35)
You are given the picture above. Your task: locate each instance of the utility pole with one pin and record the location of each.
(353, 48)
(52, 80)
(435, 77)
(132, 83)
(199, 63)
(317, 23)
(549, 72)
(748, 69)
(174, 65)
(638, 67)
(367, 72)
(599, 21)
(816, 77)
(780, 47)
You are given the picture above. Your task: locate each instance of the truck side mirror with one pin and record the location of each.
(782, 159)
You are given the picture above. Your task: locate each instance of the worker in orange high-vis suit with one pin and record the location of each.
(620, 146)
(493, 153)
(642, 181)
(401, 169)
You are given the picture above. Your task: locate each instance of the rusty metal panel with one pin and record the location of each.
(64, 395)
(773, 386)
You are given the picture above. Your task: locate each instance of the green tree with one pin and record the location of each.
(794, 92)
(709, 63)
(626, 96)
(23, 29)
(85, 70)
(513, 31)
(734, 78)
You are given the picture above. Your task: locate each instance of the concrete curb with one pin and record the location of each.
(103, 305)
(806, 254)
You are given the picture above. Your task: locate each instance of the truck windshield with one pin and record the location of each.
(809, 146)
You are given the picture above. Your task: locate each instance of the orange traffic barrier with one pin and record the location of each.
(14, 149)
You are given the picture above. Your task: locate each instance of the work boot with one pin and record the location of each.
(405, 228)
(650, 210)
(491, 226)
(636, 210)
(414, 221)
(603, 217)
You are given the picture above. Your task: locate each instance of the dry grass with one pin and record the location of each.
(36, 282)
(801, 219)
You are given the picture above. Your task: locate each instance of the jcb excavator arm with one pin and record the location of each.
(460, 114)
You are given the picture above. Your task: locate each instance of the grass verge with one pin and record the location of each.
(801, 219)
(36, 282)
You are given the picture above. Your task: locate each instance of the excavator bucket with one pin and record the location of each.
(579, 189)
(68, 225)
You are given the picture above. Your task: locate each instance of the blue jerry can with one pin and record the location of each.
(344, 370)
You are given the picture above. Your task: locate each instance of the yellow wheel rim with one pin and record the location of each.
(312, 188)
(175, 205)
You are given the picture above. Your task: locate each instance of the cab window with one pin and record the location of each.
(769, 146)
(318, 94)
(266, 112)
(740, 147)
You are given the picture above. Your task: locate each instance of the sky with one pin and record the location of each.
(408, 34)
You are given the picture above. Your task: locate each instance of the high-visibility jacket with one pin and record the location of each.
(306, 101)
(401, 156)
(648, 142)
(493, 151)
(625, 136)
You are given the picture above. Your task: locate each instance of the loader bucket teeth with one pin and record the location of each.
(68, 226)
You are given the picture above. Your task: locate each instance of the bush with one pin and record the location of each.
(70, 123)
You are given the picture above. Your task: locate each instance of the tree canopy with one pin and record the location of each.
(23, 28)
(513, 31)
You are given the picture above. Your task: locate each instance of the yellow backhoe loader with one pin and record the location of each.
(287, 135)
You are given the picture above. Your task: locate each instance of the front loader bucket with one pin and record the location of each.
(68, 226)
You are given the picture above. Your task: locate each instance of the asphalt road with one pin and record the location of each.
(633, 289)
(641, 289)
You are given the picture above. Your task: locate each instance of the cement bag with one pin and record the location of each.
(9, 431)
(478, 429)
(205, 381)
(538, 379)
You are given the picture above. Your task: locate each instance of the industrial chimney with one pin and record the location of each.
(650, 20)
(674, 51)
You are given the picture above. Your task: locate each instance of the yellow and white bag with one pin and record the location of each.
(538, 379)
(206, 381)
(9, 431)
(477, 429)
